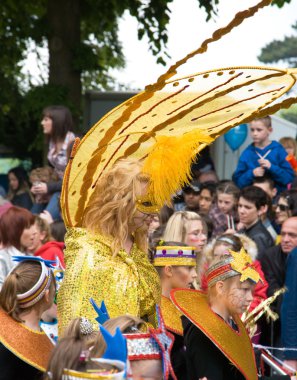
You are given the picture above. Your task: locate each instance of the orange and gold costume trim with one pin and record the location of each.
(127, 283)
(193, 304)
(69, 374)
(30, 346)
(171, 316)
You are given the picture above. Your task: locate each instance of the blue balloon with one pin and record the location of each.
(236, 136)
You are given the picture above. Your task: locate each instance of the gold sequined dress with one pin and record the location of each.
(127, 283)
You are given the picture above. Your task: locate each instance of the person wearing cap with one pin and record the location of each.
(217, 344)
(176, 264)
(191, 194)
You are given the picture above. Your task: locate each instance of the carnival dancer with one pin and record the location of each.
(176, 265)
(217, 344)
(27, 292)
(107, 258)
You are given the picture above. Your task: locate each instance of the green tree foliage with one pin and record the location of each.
(83, 45)
(285, 50)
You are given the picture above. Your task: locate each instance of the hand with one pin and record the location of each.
(259, 171)
(40, 188)
(240, 226)
(45, 215)
(264, 163)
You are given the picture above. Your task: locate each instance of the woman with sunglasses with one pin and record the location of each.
(286, 206)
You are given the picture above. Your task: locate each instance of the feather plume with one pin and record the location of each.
(169, 163)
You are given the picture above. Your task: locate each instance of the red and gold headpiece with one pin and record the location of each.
(232, 265)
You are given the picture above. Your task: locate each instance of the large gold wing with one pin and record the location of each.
(211, 101)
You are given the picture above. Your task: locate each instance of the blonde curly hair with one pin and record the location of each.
(112, 206)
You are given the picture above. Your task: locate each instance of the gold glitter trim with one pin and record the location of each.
(85, 375)
(30, 346)
(171, 316)
(193, 304)
(182, 261)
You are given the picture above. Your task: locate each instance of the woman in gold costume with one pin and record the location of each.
(106, 259)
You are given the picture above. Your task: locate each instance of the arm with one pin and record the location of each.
(54, 186)
(243, 175)
(269, 266)
(281, 171)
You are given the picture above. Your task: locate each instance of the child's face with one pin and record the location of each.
(221, 249)
(196, 235)
(205, 201)
(238, 296)
(247, 211)
(289, 150)
(259, 132)
(226, 202)
(183, 277)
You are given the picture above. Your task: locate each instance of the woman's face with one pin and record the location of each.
(183, 277)
(226, 202)
(37, 239)
(195, 235)
(27, 237)
(282, 211)
(13, 181)
(47, 125)
(155, 223)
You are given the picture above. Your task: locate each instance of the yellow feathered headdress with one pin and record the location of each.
(171, 121)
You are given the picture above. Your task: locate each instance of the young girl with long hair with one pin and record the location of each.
(224, 212)
(71, 358)
(27, 292)
(57, 126)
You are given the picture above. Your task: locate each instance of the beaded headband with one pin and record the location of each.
(142, 346)
(234, 264)
(33, 295)
(175, 255)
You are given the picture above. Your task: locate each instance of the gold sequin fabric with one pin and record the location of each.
(171, 316)
(128, 283)
(31, 346)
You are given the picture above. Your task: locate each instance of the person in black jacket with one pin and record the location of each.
(273, 263)
(252, 204)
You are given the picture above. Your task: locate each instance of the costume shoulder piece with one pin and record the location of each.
(193, 304)
(171, 316)
(173, 120)
(30, 346)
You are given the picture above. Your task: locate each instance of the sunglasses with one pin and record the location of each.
(283, 207)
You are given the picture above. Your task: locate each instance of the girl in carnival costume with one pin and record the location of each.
(27, 292)
(215, 337)
(176, 265)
